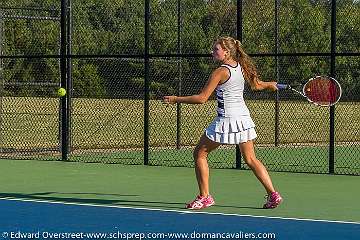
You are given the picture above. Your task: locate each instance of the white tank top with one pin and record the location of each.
(230, 96)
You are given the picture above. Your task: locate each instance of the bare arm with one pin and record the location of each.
(259, 85)
(219, 75)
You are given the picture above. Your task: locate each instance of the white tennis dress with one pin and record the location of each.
(233, 124)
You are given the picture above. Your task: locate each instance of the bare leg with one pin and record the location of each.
(201, 151)
(247, 149)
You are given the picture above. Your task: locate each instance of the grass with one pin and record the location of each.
(285, 158)
(114, 123)
(111, 130)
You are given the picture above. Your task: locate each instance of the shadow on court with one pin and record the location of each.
(46, 196)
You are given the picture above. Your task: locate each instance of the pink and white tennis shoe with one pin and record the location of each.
(273, 200)
(201, 202)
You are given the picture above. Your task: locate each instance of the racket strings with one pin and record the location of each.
(323, 91)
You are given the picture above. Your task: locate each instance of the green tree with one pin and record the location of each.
(117, 27)
(87, 80)
(348, 40)
(26, 36)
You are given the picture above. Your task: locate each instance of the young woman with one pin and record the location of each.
(233, 124)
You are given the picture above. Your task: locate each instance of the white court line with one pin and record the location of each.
(176, 211)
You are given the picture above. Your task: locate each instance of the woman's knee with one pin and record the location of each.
(199, 152)
(251, 161)
(204, 147)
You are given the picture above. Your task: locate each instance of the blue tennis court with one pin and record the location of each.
(29, 219)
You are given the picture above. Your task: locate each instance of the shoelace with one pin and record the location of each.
(269, 198)
(198, 200)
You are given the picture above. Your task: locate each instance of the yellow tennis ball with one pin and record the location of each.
(61, 92)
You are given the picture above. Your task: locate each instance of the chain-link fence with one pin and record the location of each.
(29, 113)
(117, 59)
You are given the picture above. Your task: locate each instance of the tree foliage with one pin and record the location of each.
(113, 27)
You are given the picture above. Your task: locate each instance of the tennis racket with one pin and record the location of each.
(320, 90)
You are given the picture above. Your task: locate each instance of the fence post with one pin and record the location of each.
(239, 37)
(332, 74)
(69, 70)
(63, 75)
(277, 72)
(2, 36)
(147, 83)
(178, 106)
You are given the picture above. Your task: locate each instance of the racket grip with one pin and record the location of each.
(282, 86)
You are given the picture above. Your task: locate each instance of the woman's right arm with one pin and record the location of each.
(220, 74)
(258, 85)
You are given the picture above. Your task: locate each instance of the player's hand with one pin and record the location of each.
(273, 86)
(170, 99)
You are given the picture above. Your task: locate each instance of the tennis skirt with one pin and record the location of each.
(231, 130)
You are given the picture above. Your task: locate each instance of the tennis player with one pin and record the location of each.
(233, 124)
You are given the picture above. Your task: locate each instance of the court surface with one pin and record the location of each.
(58, 220)
(57, 200)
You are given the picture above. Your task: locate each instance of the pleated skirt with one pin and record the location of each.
(231, 130)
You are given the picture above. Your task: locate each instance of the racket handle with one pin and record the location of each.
(282, 86)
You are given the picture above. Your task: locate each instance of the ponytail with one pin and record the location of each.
(239, 55)
(249, 68)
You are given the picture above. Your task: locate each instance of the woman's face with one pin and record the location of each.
(218, 53)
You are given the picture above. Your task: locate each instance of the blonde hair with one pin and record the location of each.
(238, 54)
